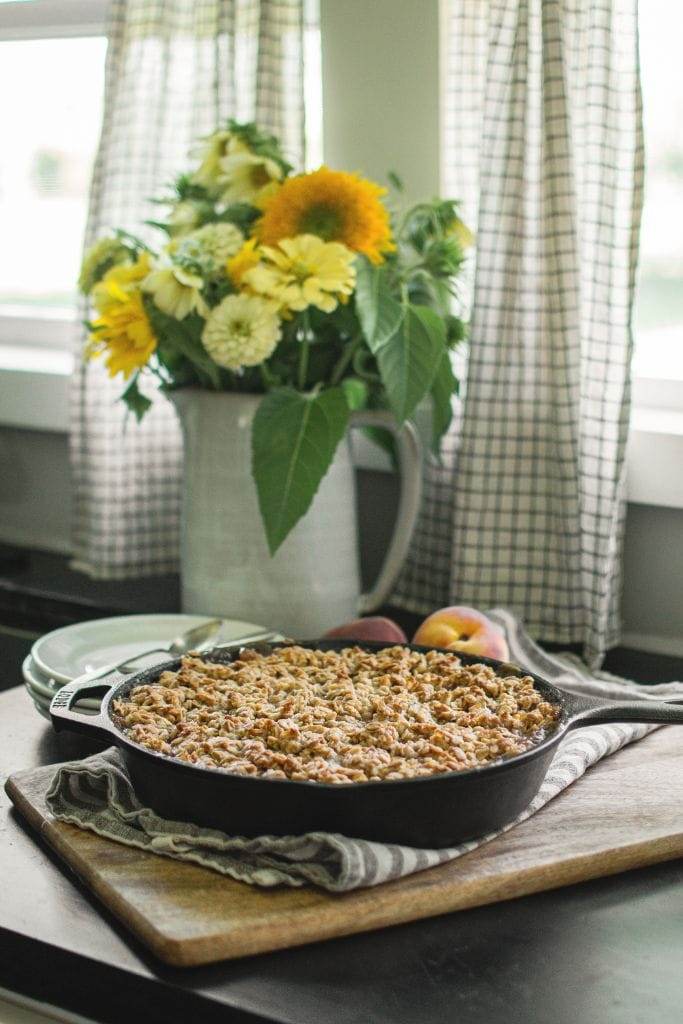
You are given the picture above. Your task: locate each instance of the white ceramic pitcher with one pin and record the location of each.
(313, 581)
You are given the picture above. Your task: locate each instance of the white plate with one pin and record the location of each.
(39, 683)
(86, 706)
(69, 652)
(42, 709)
(43, 693)
(85, 703)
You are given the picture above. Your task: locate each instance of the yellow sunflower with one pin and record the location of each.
(123, 334)
(125, 277)
(335, 206)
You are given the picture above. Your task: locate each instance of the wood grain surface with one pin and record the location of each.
(626, 812)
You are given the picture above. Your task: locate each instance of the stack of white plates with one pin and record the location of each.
(64, 654)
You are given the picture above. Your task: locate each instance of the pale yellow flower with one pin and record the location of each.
(304, 271)
(247, 177)
(266, 195)
(176, 292)
(99, 258)
(184, 217)
(211, 149)
(207, 250)
(462, 234)
(242, 330)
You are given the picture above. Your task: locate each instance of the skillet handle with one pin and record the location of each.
(64, 718)
(596, 710)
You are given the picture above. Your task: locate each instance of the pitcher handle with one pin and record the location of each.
(410, 467)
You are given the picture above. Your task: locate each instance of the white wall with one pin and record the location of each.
(378, 118)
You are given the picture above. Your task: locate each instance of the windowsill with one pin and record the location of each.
(655, 456)
(34, 386)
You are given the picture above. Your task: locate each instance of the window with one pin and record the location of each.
(52, 67)
(659, 308)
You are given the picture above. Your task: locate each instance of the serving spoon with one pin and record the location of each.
(190, 640)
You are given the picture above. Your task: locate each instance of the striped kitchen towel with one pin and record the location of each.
(96, 794)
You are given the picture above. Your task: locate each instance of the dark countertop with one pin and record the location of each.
(606, 951)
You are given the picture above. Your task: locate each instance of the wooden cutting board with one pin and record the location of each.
(626, 812)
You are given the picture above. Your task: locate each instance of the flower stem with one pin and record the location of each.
(266, 377)
(344, 360)
(303, 354)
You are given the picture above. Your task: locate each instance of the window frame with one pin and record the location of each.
(46, 19)
(53, 19)
(653, 389)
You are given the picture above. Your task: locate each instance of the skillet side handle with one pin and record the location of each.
(64, 718)
(595, 711)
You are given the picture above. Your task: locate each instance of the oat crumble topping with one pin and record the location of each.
(336, 716)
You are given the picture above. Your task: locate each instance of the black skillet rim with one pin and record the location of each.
(555, 696)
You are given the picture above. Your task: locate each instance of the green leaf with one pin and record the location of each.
(356, 391)
(445, 385)
(242, 215)
(184, 337)
(456, 331)
(395, 181)
(158, 224)
(131, 241)
(380, 314)
(385, 440)
(294, 438)
(135, 400)
(409, 358)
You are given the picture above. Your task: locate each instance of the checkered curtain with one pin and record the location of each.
(175, 70)
(543, 139)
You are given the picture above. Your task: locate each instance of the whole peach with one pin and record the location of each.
(374, 627)
(463, 629)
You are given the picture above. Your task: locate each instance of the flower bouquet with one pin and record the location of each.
(301, 287)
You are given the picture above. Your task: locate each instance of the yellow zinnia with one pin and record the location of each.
(304, 271)
(335, 206)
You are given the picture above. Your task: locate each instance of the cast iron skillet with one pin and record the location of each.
(430, 811)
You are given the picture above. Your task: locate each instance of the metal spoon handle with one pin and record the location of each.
(128, 664)
(240, 641)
